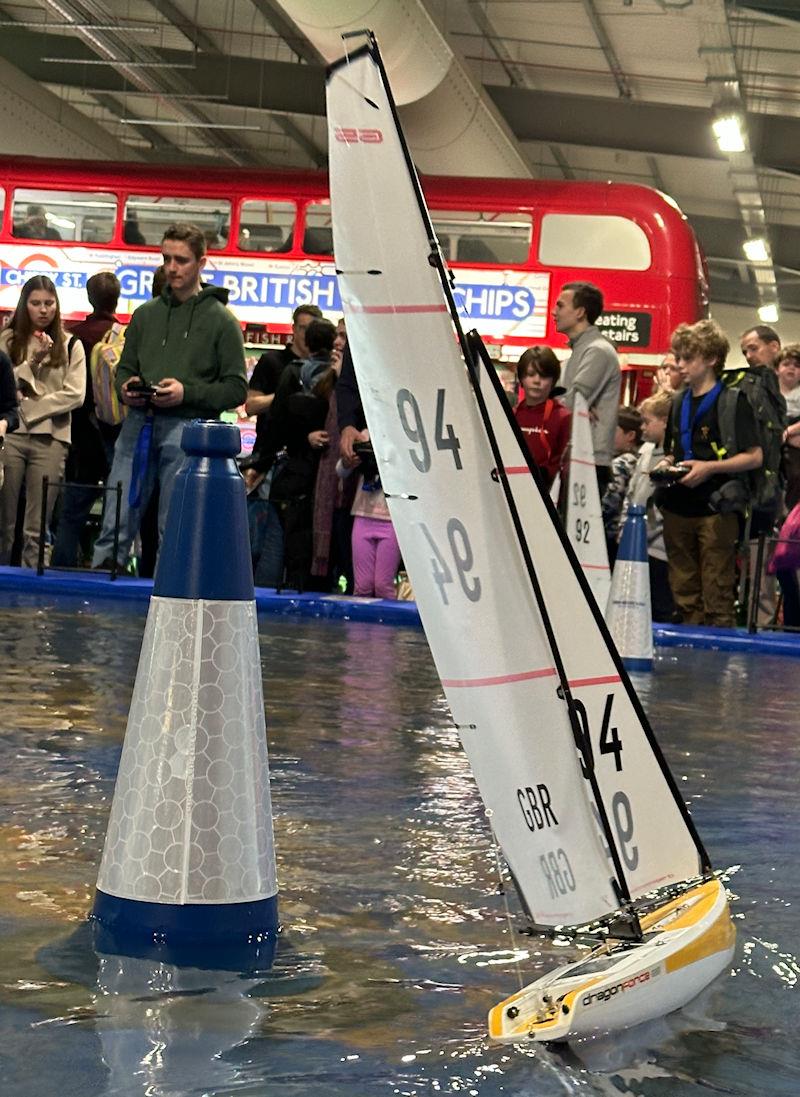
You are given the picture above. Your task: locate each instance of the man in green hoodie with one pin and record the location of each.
(183, 359)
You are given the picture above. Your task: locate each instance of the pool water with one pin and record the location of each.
(396, 935)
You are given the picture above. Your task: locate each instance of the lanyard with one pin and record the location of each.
(544, 436)
(543, 432)
(141, 459)
(687, 428)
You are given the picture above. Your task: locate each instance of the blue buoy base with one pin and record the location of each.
(214, 936)
(637, 664)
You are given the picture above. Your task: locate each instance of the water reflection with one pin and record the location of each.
(165, 1030)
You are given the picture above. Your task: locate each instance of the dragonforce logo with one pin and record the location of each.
(607, 993)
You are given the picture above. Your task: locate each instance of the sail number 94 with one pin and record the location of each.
(458, 557)
(445, 437)
(461, 554)
(610, 744)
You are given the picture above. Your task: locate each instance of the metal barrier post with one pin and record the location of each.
(755, 585)
(117, 517)
(42, 526)
(745, 578)
(47, 485)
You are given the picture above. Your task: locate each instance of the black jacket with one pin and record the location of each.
(348, 399)
(8, 393)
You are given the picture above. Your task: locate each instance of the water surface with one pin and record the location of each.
(397, 936)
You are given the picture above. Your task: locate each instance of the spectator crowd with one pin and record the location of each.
(103, 404)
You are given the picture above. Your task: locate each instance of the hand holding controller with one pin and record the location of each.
(669, 474)
(141, 388)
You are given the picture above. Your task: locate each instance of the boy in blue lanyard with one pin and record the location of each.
(712, 432)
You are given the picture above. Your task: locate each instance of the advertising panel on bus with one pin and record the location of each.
(504, 305)
(511, 245)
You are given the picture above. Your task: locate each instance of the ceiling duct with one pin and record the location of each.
(450, 125)
(718, 50)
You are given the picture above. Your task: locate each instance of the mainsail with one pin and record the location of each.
(521, 650)
(584, 519)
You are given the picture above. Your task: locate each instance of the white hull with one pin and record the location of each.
(689, 941)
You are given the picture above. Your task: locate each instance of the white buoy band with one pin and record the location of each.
(191, 820)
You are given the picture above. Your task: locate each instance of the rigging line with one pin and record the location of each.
(504, 892)
(437, 260)
(344, 62)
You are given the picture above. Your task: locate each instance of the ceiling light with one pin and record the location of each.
(756, 250)
(75, 26)
(183, 125)
(192, 97)
(728, 132)
(117, 61)
(769, 314)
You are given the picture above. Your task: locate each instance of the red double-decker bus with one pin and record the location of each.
(511, 245)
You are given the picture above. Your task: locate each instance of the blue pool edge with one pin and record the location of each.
(370, 610)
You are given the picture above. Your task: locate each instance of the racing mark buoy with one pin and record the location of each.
(188, 869)
(629, 616)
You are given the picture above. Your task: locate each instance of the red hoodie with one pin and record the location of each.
(546, 429)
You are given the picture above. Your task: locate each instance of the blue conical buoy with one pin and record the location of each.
(188, 869)
(629, 617)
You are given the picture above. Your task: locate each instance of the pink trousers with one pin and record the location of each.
(376, 557)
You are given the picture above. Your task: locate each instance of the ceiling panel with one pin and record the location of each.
(588, 89)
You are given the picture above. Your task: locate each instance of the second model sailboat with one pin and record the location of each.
(583, 516)
(590, 821)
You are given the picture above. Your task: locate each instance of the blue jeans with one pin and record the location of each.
(166, 457)
(266, 542)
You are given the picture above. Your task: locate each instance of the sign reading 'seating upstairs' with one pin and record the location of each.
(628, 329)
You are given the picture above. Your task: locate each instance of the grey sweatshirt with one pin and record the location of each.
(593, 370)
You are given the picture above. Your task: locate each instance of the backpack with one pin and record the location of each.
(103, 364)
(738, 493)
(760, 386)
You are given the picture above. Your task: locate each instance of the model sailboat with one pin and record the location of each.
(584, 517)
(589, 819)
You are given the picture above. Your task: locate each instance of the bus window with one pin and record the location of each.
(469, 236)
(83, 216)
(318, 235)
(593, 240)
(266, 226)
(147, 217)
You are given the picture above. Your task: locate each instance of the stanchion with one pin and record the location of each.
(188, 869)
(629, 615)
(755, 584)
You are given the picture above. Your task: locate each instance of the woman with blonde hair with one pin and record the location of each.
(50, 374)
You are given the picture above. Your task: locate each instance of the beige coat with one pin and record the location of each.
(49, 392)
